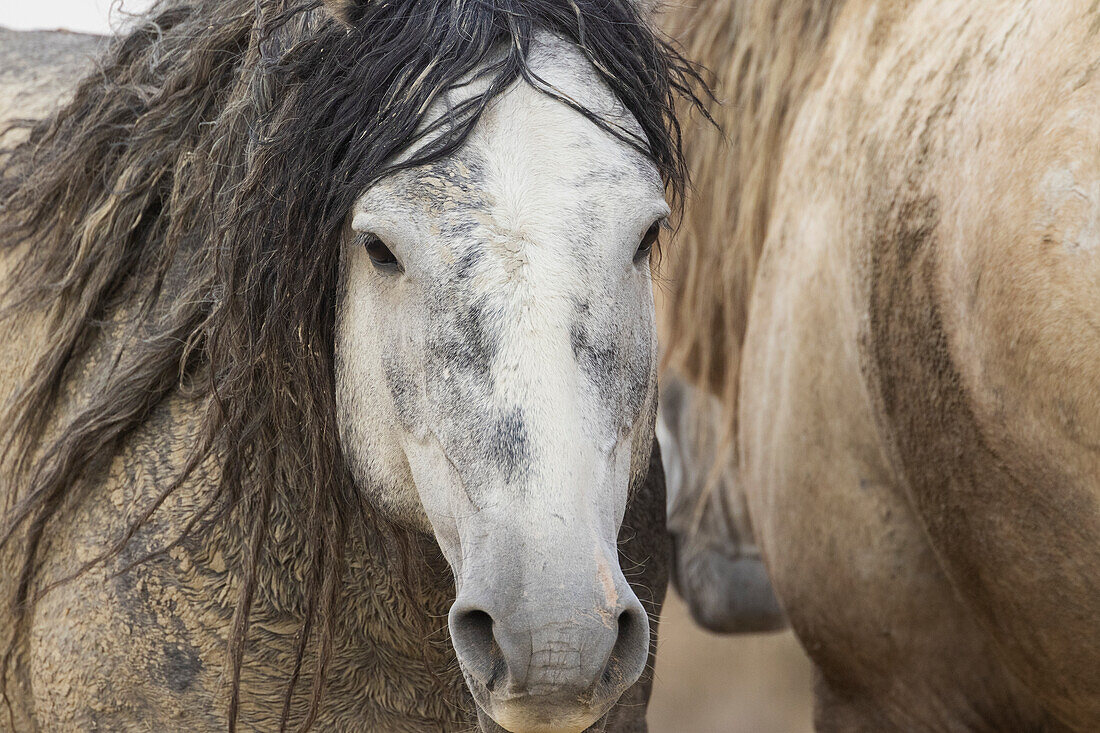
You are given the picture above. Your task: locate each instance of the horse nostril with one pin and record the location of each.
(628, 657)
(472, 636)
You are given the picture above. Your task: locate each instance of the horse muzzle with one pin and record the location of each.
(553, 653)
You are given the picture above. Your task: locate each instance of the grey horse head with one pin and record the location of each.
(496, 384)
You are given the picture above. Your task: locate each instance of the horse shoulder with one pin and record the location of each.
(847, 554)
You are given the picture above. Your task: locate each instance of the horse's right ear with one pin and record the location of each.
(347, 12)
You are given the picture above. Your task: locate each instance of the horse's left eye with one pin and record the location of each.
(648, 241)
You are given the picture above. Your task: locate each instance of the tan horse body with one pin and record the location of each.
(914, 198)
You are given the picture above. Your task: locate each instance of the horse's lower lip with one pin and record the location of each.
(546, 713)
(541, 711)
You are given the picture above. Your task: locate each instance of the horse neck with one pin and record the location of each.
(393, 600)
(762, 55)
(392, 603)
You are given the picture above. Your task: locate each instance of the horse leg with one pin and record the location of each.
(716, 567)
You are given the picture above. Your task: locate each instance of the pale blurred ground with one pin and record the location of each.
(705, 683)
(83, 16)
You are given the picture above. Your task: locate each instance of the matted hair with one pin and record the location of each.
(199, 181)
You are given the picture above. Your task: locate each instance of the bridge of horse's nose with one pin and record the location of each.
(575, 642)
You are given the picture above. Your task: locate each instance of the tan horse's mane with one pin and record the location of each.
(761, 55)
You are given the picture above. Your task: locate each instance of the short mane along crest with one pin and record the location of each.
(187, 206)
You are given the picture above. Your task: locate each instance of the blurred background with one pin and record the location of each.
(755, 683)
(83, 16)
(704, 683)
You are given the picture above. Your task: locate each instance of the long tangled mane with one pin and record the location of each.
(195, 191)
(762, 54)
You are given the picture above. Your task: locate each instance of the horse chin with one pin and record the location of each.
(551, 713)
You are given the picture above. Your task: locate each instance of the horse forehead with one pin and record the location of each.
(548, 152)
(531, 151)
(564, 171)
(502, 197)
(532, 159)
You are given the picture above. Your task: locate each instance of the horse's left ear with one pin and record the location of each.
(347, 12)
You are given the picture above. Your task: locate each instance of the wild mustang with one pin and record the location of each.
(300, 301)
(894, 281)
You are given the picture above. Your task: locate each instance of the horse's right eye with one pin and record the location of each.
(649, 239)
(379, 253)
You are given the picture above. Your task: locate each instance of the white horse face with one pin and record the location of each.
(496, 359)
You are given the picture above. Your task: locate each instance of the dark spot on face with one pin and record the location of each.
(458, 228)
(616, 362)
(469, 261)
(508, 444)
(402, 389)
(597, 360)
(451, 185)
(462, 342)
